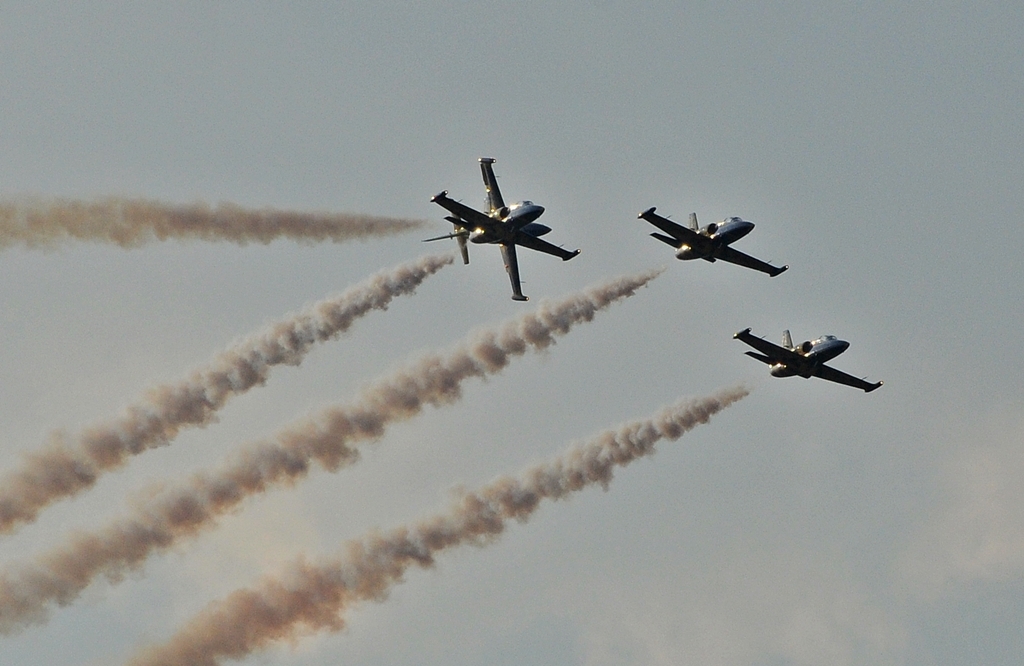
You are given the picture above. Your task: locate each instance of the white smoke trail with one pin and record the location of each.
(58, 577)
(313, 597)
(68, 465)
(135, 222)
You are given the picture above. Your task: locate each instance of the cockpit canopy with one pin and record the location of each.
(824, 338)
(520, 204)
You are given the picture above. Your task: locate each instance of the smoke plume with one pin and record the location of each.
(59, 576)
(68, 465)
(135, 222)
(314, 596)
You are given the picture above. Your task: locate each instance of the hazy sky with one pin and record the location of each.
(877, 146)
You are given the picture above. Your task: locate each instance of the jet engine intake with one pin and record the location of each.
(806, 346)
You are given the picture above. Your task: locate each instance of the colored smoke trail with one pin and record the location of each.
(59, 576)
(69, 465)
(134, 222)
(313, 596)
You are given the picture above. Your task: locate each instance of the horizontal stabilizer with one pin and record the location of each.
(668, 240)
(759, 357)
(461, 234)
(457, 234)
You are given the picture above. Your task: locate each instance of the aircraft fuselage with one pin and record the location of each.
(721, 234)
(517, 217)
(814, 353)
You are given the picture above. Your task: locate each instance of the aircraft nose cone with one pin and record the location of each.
(540, 209)
(842, 345)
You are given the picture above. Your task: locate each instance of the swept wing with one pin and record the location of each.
(494, 199)
(467, 217)
(833, 375)
(508, 254)
(772, 351)
(534, 243)
(726, 253)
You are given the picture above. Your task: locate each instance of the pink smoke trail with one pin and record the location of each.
(134, 222)
(69, 465)
(313, 597)
(59, 576)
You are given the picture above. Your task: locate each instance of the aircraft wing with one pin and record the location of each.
(467, 216)
(771, 350)
(494, 199)
(726, 253)
(833, 375)
(508, 253)
(534, 243)
(677, 231)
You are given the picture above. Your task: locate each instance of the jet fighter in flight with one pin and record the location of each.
(805, 360)
(504, 226)
(710, 243)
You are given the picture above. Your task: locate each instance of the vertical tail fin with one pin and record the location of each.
(693, 221)
(787, 341)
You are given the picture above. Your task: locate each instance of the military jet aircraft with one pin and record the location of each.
(710, 243)
(806, 360)
(504, 226)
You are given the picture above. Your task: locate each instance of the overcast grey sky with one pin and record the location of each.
(878, 148)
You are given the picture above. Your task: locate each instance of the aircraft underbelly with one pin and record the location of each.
(729, 237)
(487, 237)
(688, 252)
(793, 368)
